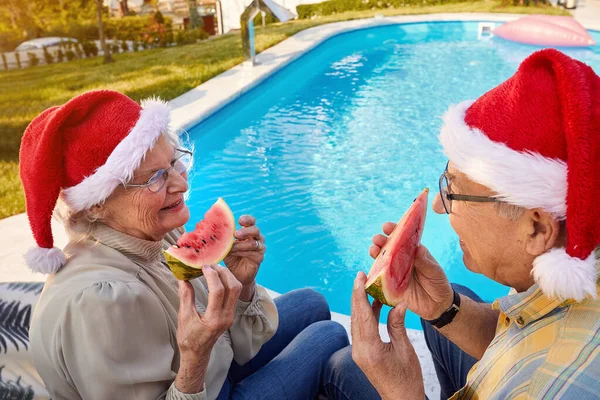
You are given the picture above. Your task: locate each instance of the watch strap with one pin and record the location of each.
(448, 315)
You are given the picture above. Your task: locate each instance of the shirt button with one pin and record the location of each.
(520, 321)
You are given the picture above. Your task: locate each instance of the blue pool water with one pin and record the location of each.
(342, 140)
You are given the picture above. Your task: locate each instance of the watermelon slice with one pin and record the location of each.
(388, 279)
(208, 244)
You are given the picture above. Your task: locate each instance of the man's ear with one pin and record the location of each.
(543, 231)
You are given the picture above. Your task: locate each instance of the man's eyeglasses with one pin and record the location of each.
(181, 164)
(447, 198)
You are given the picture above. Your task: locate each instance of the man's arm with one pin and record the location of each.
(473, 328)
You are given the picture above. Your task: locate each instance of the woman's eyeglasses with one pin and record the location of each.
(181, 164)
(447, 197)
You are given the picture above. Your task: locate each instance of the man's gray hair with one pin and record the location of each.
(509, 211)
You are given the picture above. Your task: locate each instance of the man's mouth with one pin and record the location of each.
(178, 202)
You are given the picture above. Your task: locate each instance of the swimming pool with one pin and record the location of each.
(342, 140)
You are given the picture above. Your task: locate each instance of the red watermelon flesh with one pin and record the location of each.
(209, 243)
(389, 276)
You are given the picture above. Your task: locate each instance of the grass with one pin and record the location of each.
(167, 73)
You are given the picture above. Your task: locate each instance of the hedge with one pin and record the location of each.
(306, 11)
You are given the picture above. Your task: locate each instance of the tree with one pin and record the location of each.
(124, 8)
(107, 57)
(195, 20)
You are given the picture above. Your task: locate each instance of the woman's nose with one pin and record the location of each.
(177, 182)
(437, 205)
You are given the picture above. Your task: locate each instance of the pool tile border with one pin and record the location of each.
(201, 102)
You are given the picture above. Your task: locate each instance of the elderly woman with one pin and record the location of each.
(521, 191)
(112, 321)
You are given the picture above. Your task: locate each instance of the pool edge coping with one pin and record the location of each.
(199, 103)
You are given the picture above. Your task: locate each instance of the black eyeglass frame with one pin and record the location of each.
(164, 172)
(449, 197)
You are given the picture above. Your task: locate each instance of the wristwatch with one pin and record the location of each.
(448, 315)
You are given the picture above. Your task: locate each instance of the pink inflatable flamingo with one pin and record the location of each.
(546, 30)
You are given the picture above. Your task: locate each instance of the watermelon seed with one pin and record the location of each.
(197, 251)
(176, 246)
(188, 247)
(383, 252)
(203, 241)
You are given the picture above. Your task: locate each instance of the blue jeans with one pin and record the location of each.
(451, 363)
(344, 380)
(290, 365)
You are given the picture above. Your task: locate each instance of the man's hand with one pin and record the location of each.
(392, 368)
(429, 292)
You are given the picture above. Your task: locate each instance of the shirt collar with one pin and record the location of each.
(531, 305)
(138, 250)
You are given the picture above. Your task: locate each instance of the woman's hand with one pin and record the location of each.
(429, 293)
(246, 255)
(197, 333)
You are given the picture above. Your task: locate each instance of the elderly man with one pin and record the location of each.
(521, 191)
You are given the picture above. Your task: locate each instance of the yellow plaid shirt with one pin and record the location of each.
(543, 349)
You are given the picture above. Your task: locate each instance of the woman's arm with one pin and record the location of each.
(114, 343)
(254, 324)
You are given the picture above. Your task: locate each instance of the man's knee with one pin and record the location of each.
(341, 360)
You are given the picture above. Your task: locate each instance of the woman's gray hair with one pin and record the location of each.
(79, 224)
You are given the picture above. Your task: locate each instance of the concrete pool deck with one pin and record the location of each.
(199, 103)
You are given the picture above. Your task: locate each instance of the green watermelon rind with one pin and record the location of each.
(376, 291)
(184, 271)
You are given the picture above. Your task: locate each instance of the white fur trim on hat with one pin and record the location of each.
(565, 277)
(525, 179)
(44, 260)
(124, 160)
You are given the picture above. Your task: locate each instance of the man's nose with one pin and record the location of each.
(437, 205)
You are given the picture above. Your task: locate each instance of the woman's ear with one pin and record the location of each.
(97, 211)
(543, 232)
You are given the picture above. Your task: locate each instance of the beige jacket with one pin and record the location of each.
(105, 324)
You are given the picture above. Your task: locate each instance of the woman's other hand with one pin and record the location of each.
(197, 333)
(246, 255)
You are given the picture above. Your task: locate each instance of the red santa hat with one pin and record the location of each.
(84, 148)
(535, 141)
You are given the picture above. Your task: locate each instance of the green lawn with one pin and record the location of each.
(162, 72)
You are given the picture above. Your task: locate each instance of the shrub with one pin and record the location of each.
(114, 47)
(90, 49)
(48, 57)
(132, 26)
(9, 40)
(135, 45)
(78, 50)
(269, 19)
(190, 36)
(70, 54)
(33, 59)
(60, 56)
(330, 7)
